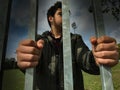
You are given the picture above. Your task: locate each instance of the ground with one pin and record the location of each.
(14, 80)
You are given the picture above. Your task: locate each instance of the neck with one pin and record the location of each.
(57, 33)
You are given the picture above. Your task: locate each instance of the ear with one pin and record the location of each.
(51, 19)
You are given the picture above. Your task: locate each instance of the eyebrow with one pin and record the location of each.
(60, 12)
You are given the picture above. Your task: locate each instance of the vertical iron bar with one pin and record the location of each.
(30, 73)
(68, 76)
(5, 6)
(106, 76)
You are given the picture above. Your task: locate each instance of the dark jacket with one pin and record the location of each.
(50, 69)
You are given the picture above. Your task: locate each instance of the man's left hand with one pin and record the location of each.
(105, 50)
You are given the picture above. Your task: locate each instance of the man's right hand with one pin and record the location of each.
(28, 53)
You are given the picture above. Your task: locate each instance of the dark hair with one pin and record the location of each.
(52, 10)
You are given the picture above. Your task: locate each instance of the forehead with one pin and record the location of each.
(59, 10)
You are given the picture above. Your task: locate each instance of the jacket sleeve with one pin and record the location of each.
(85, 58)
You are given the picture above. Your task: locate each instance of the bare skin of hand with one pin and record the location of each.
(105, 50)
(28, 53)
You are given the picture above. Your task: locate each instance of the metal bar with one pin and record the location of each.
(30, 73)
(68, 76)
(106, 76)
(5, 6)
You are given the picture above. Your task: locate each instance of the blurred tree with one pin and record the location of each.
(111, 7)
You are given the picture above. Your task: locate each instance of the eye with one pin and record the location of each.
(60, 13)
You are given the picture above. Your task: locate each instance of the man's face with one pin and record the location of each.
(57, 19)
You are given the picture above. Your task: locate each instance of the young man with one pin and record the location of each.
(46, 54)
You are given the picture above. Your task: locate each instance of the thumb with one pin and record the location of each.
(40, 43)
(93, 40)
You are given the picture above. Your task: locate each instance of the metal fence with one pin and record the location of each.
(4, 25)
(5, 7)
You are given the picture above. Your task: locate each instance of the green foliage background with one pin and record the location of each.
(14, 80)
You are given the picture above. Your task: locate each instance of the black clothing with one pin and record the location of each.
(50, 69)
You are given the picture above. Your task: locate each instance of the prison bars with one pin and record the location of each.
(99, 27)
(106, 76)
(29, 78)
(5, 6)
(32, 31)
(67, 57)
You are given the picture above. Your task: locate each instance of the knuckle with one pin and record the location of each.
(31, 57)
(103, 38)
(17, 50)
(103, 54)
(21, 65)
(18, 56)
(33, 49)
(114, 43)
(106, 62)
(31, 41)
(29, 64)
(101, 47)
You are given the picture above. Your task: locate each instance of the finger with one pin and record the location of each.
(106, 62)
(93, 40)
(107, 54)
(105, 46)
(28, 50)
(24, 65)
(105, 39)
(40, 43)
(27, 57)
(28, 42)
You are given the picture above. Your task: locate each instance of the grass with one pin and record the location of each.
(116, 77)
(93, 82)
(14, 80)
